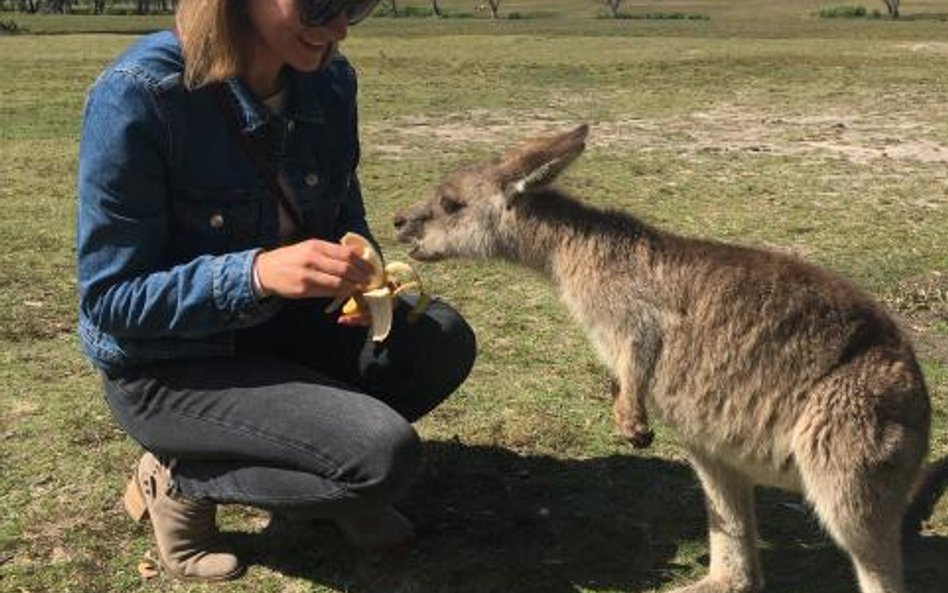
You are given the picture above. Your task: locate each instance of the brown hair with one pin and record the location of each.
(213, 37)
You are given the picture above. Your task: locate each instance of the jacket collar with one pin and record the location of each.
(252, 112)
(303, 102)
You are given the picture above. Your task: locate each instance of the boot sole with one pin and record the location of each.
(134, 501)
(236, 574)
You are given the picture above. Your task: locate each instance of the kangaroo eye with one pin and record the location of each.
(449, 204)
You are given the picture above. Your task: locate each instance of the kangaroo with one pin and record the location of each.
(772, 371)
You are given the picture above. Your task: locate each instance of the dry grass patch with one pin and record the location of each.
(862, 139)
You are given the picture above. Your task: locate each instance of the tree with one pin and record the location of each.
(494, 7)
(95, 6)
(435, 8)
(58, 6)
(893, 7)
(614, 7)
(145, 6)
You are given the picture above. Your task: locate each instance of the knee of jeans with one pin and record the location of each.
(459, 341)
(389, 464)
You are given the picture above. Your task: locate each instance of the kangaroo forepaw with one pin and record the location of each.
(630, 418)
(642, 439)
(638, 435)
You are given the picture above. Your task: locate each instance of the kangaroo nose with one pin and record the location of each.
(399, 221)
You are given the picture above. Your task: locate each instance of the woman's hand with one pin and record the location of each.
(361, 317)
(312, 268)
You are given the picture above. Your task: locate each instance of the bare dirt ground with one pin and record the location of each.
(938, 48)
(862, 139)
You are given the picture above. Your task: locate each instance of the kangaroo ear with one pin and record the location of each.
(538, 162)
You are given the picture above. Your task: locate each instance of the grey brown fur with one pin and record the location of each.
(771, 371)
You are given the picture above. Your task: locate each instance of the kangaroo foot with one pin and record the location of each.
(717, 585)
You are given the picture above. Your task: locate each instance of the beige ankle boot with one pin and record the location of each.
(185, 530)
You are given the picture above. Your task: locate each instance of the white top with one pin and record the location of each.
(277, 104)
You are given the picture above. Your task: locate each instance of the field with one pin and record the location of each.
(758, 123)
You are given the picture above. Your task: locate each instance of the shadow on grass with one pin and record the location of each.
(491, 520)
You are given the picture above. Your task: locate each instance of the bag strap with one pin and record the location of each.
(263, 166)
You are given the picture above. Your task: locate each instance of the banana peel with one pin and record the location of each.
(387, 282)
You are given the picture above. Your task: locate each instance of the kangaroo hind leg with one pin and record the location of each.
(867, 526)
(857, 476)
(732, 527)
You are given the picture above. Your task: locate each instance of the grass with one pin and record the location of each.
(658, 16)
(763, 124)
(844, 11)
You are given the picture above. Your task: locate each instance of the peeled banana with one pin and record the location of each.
(386, 283)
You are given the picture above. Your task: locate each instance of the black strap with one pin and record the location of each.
(261, 163)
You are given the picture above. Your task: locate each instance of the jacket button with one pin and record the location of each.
(291, 125)
(312, 180)
(217, 220)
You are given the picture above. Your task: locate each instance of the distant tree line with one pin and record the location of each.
(159, 6)
(93, 6)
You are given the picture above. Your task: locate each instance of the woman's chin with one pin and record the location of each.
(315, 58)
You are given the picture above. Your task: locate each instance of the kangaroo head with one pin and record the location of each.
(463, 216)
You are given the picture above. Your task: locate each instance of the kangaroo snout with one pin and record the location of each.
(406, 230)
(410, 229)
(399, 220)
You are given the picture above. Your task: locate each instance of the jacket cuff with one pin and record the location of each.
(233, 290)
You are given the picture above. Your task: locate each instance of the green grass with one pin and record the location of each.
(763, 124)
(843, 11)
(658, 16)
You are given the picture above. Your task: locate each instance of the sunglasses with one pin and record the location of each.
(318, 12)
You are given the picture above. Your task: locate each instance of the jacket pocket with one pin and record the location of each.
(213, 222)
(321, 203)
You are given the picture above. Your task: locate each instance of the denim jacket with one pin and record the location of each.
(172, 212)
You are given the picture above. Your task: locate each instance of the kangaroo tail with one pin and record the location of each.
(929, 487)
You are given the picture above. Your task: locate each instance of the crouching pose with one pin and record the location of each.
(217, 175)
(771, 370)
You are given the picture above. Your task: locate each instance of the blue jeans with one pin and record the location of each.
(308, 415)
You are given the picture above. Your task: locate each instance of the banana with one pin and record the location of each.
(369, 254)
(386, 283)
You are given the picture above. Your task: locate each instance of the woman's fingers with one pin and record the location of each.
(321, 283)
(314, 268)
(321, 267)
(355, 319)
(341, 260)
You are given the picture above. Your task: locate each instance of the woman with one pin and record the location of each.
(217, 173)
